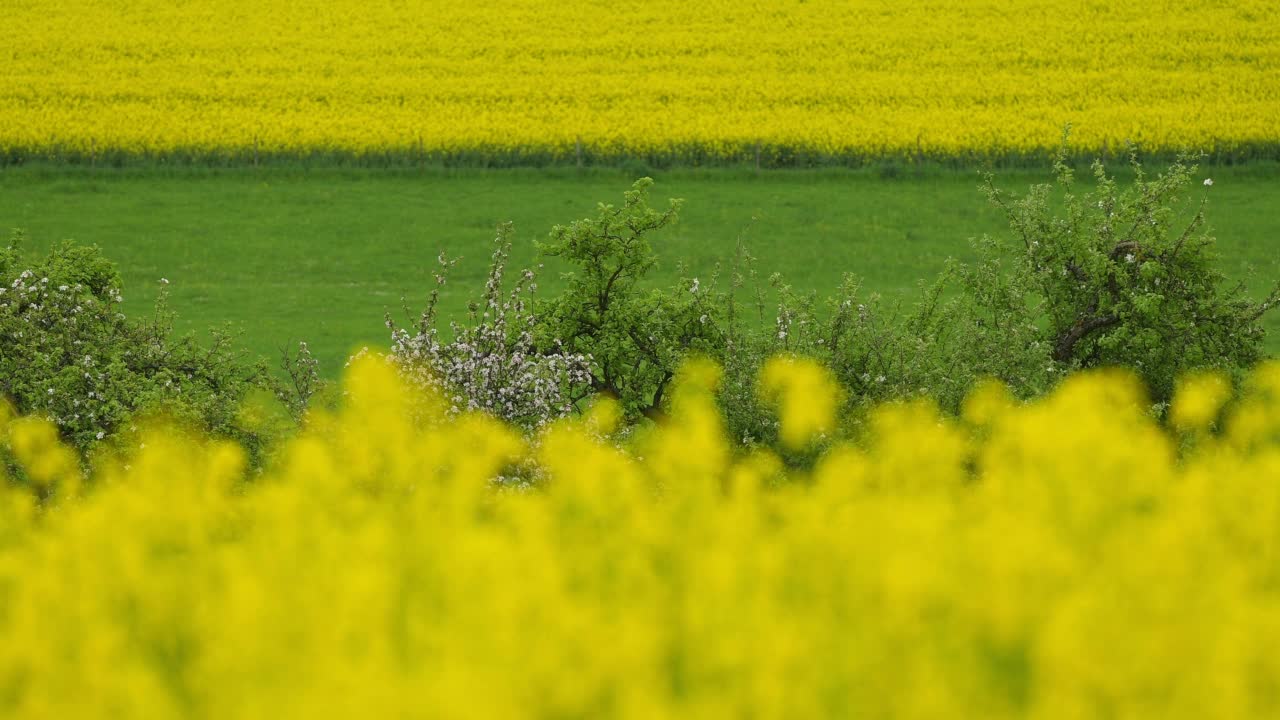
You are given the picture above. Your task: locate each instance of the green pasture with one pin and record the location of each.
(294, 253)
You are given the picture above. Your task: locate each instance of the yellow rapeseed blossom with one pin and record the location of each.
(806, 396)
(1060, 561)
(987, 403)
(713, 79)
(47, 463)
(1198, 400)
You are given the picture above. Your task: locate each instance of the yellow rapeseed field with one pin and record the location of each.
(691, 81)
(1070, 558)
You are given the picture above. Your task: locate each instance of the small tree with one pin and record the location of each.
(636, 338)
(1114, 278)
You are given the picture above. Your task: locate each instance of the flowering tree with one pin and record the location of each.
(494, 364)
(68, 353)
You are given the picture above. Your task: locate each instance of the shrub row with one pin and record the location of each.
(1107, 276)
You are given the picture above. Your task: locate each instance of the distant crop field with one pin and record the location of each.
(515, 81)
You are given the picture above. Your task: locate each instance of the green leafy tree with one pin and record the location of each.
(1117, 276)
(635, 337)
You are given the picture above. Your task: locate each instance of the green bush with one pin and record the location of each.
(69, 354)
(1114, 278)
(635, 338)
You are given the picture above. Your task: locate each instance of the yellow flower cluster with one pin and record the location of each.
(695, 81)
(1063, 559)
(804, 394)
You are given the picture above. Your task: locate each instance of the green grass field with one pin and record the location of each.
(285, 254)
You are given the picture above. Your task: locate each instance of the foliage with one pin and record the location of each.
(67, 353)
(1090, 280)
(666, 81)
(995, 565)
(304, 383)
(1096, 279)
(940, 347)
(636, 338)
(1113, 279)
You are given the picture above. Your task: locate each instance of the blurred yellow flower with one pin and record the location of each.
(1198, 399)
(806, 396)
(1057, 564)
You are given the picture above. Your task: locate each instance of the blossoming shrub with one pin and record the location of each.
(493, 363)
(1117, 276)
(68, 354)
(1064, 558)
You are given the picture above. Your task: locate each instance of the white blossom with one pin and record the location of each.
(486, 366)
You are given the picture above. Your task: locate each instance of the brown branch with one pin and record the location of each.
(1076, 271)
(654, 411)
(1122, 247)
(1066, 343)
(608, 288)
(1194, 225)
